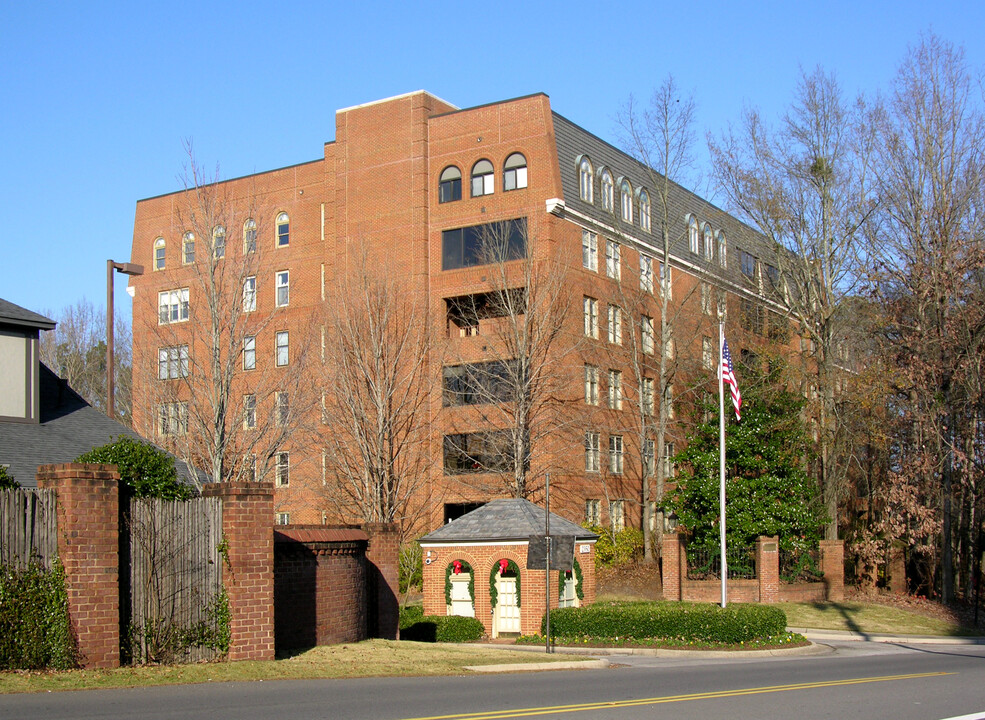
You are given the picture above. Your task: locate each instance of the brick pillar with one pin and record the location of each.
(896, 571)
(672, 562)
(88, 505)
(833, 567)
(587, 563)
(248, 572)
(768, 569)
(382, 569)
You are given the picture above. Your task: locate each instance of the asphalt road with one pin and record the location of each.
(854, 680)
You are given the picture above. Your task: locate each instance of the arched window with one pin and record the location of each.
(283, 230)
(450, 185)
(483, 178)
(586, 180)
(188, 248)
(645, 210)
(160, 256)
(219, 242)
(693, 237)
(515, 172)
(607, 190)
(722, 249)
(709, 242)
(249, 236)
(626, 200)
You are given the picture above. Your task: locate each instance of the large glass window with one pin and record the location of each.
(450, 185)
(483, 178)
(478, 383)
(484, 244)
(515, 172)
(479, 452)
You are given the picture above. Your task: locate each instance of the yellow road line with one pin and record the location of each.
(602, 705)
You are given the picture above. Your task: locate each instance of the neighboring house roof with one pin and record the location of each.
(68, 427)
(11, 314)
(506, 519)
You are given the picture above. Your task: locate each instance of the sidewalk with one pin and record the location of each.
(854, 636)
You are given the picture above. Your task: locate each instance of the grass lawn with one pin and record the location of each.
(868, 618)
(372, 658)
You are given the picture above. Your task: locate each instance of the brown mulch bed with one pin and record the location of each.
(638, 580)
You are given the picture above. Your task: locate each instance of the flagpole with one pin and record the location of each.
(721, 453)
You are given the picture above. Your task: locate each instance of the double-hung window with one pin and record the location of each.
(615, 390)
(283, 408)
(188, 248)
(282, 347)
(591, 306)
(172, 362)
(483, 178)
(283, 230)
(283, 469)
(591, 451)
(590, 250)
(249, 352)
(646, 396)
(591, 385)
(249, 411)
(646, 273)
(450, 185)
(515, 172)
(250, 294)
(613, 259)
(615, 454)
(283, 288)
(160, 254)
(219, 242)
(615, 325)
(646, 332)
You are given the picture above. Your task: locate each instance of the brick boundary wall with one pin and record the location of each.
(383, 580)
(248, 571)
(320, 586)
(766, 588)
(88, 502)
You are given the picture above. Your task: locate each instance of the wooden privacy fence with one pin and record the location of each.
(177, 603)
(28, 527)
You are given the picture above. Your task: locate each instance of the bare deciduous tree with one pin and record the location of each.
(805, 186)
(377, 360)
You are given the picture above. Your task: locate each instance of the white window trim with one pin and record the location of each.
(282, 281)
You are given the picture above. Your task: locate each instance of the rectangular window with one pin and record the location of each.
(283, 408)
(172, 306)
(590, 250)
(283, 348)
(649, 458)
(189, 248)
(283, 469)
(593, 512)
(646, 328)
(668, 459)
(747, 264)
(707, 299)
(591, 306)
(480, 452)
(613, 259)
(250, 294)
(646, 273)
(615, 454)
(250, 468)
(283, 288)
(478, 383)
(484, 244)
(615, 390)
(647, 396)
(670, 349)
(615, 325)
(219, 243)
(670, 402)
(249, 352)
(773, 275)
(284, 518)
(172, 362)
(591, 451)
(617, 514)
(751, 316)
(666, 279)
(591, 385)
(172, 419)
(707, 354)
(249, 411)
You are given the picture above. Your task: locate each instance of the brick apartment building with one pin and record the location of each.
(409, 184)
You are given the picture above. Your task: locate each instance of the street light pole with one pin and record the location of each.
(126, 269)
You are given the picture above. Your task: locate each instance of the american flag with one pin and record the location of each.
(727, 375)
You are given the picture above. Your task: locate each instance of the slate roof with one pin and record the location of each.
(505, 519)
(68, 427)
(11, 314)
(573, 141)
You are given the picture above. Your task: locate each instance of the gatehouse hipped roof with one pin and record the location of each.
(511, 519)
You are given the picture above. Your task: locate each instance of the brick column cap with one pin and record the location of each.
(94, 471)
(237, 489)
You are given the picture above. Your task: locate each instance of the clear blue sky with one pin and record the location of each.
(97, 98)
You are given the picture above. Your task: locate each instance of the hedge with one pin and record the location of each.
(415, 625)
(35, 632)
(684, 621)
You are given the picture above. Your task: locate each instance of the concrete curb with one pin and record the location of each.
(812, 649)
(521, 667)
(852, 636)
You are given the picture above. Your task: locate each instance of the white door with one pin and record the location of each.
(461, 602)
(567, 598)
(507, 610)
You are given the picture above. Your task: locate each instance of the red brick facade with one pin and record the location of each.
(374, 196)
(88, 511)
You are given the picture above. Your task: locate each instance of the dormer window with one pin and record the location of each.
(483, 178)
(722, 249)
(709, 242)
(626, 200)
(607, 190)
(450, 185)
(160, 256)
(693, 236)
(515, 172)
(644, 210)
(586, 180)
